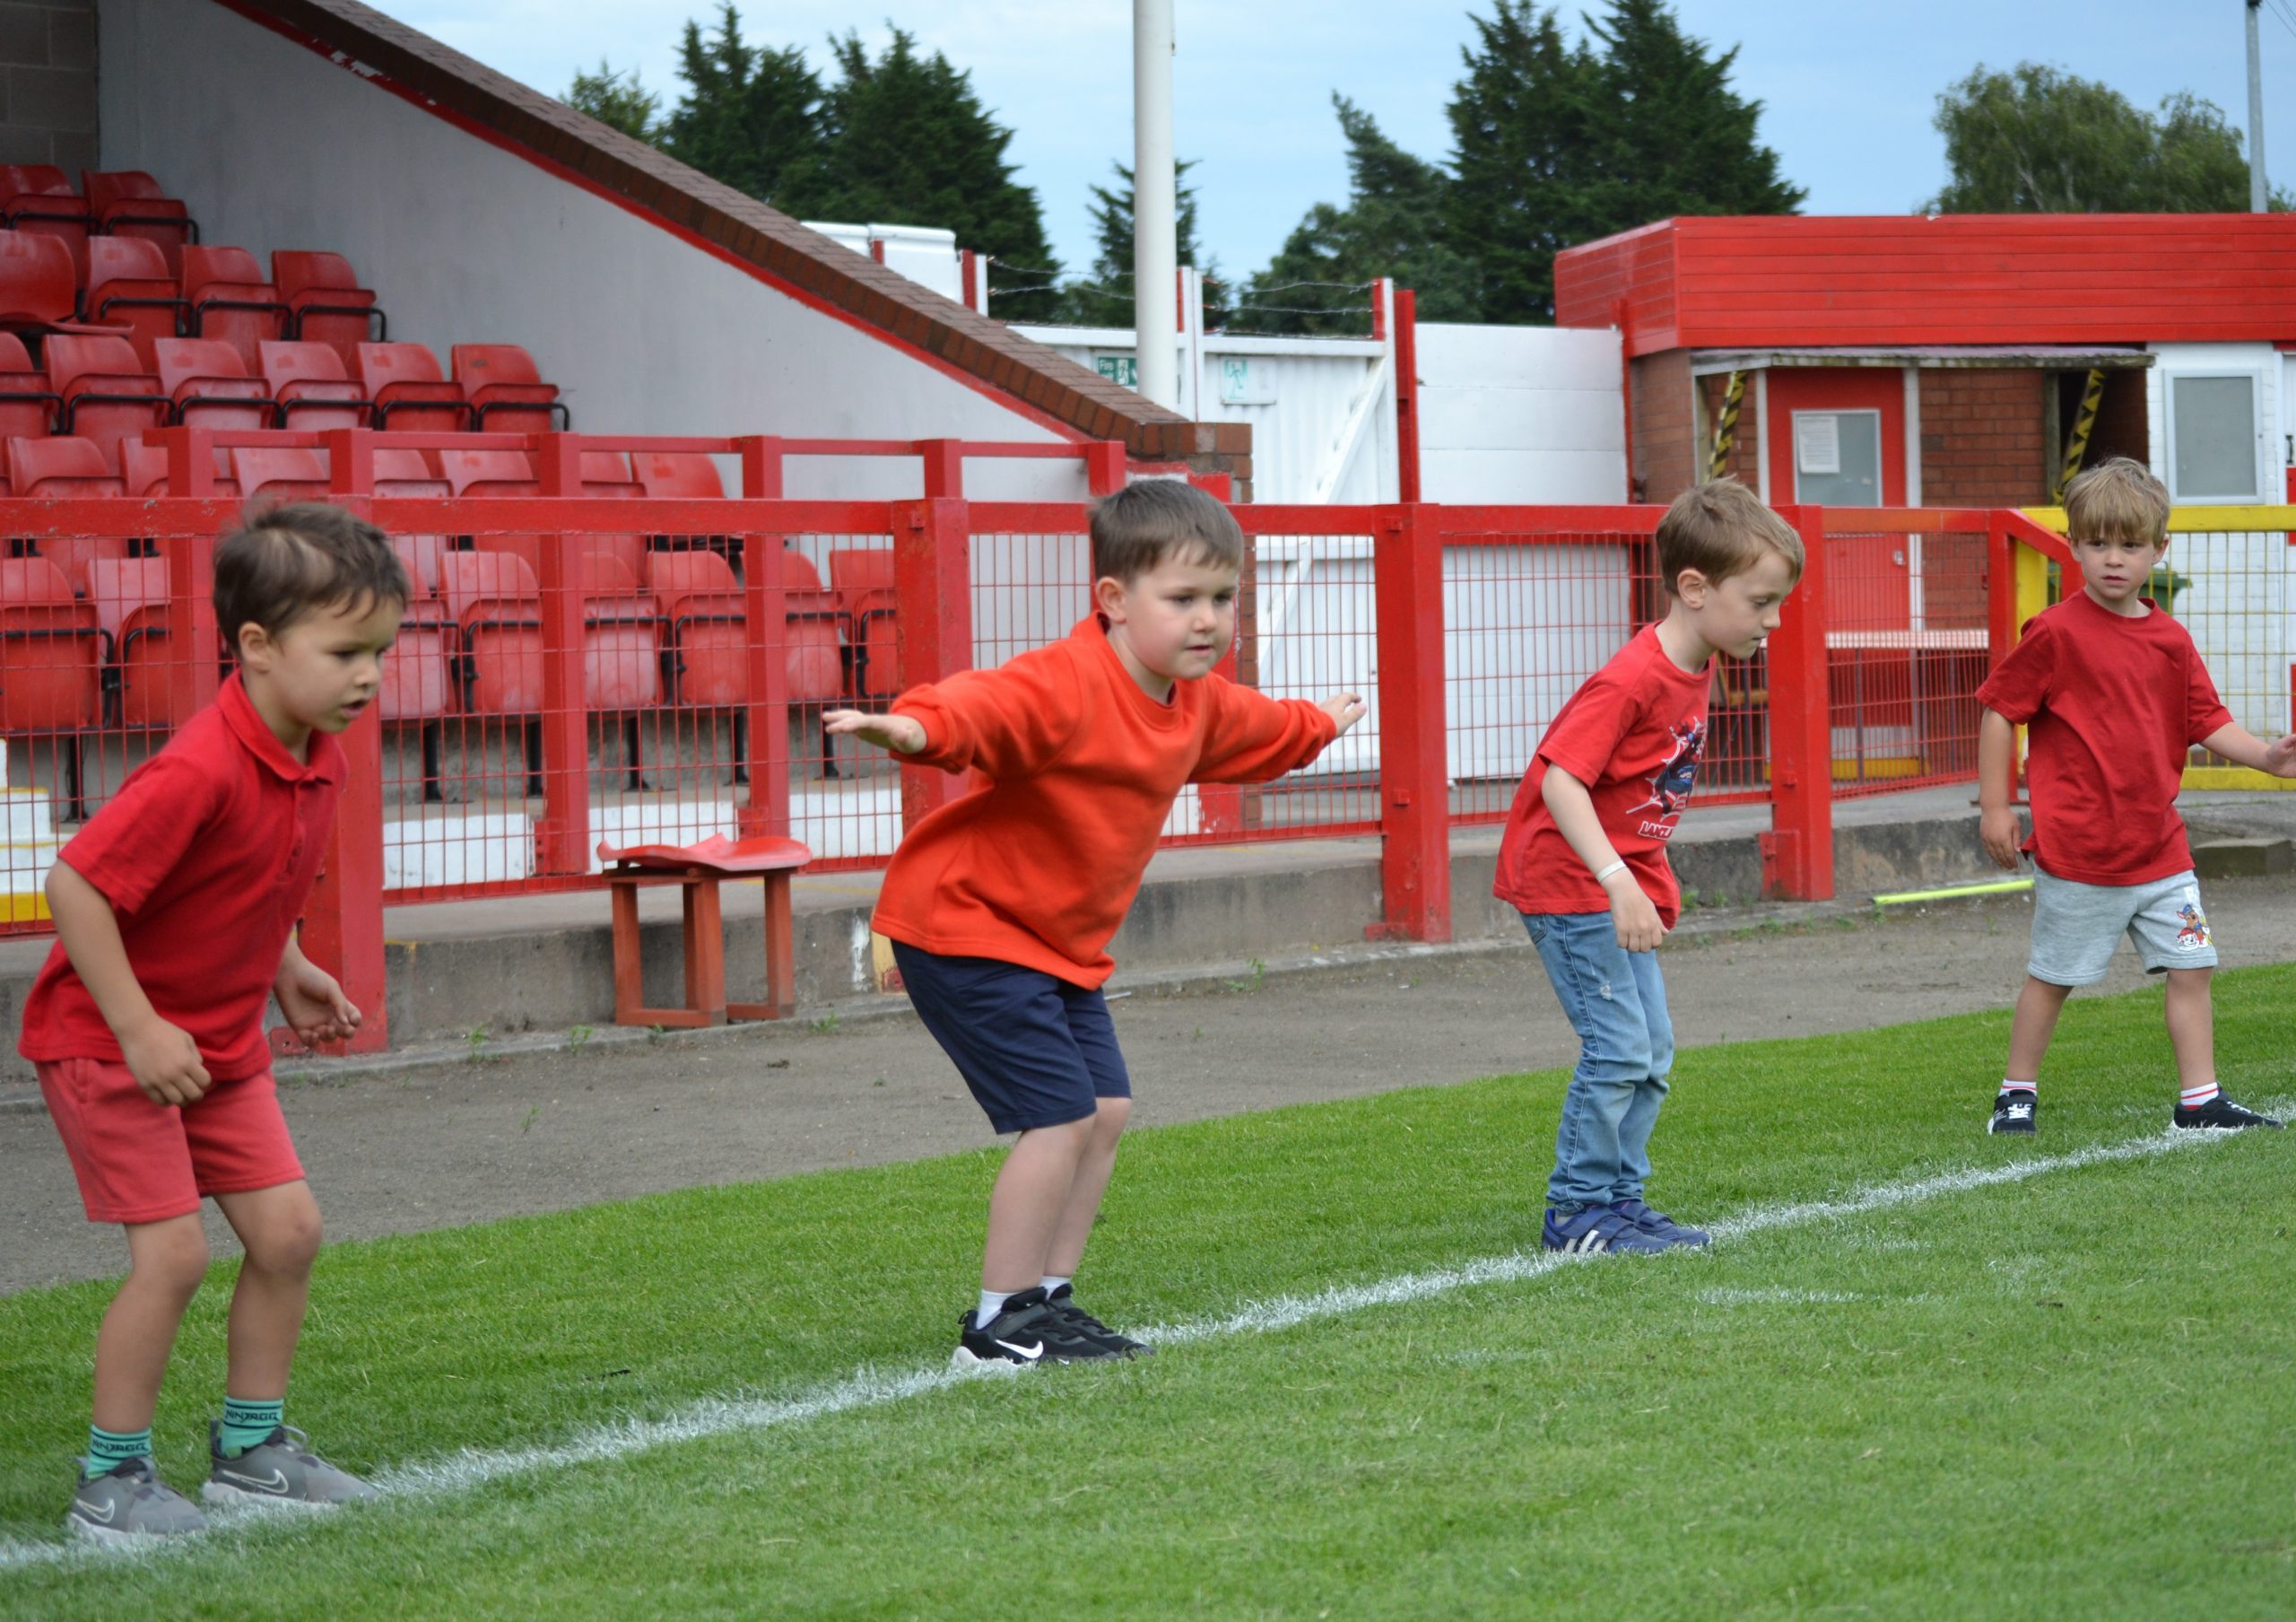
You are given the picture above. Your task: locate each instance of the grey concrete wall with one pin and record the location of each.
(48, 83)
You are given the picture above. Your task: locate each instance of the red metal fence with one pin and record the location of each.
(584, 663)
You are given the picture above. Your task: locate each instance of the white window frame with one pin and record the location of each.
(1881, 451)
(2261, 484)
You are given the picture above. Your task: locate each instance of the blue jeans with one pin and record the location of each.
(1616, 1000)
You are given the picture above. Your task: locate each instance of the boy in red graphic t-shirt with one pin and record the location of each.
(1584, 858)
(174, 912)
(2114, 695)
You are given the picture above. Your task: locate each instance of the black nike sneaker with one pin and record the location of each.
(1063, 1301)
(2014, 1112)
(1027, 1331)
(2220, 1115)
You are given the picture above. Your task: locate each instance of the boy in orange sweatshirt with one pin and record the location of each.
(1000, 905)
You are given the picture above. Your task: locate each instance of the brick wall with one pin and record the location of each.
(48, 83)
(1982, 440)
(1663, 459)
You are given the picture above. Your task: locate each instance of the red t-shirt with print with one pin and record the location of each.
(2112, 705)
(1633, 735)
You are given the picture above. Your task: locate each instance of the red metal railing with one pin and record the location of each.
(579, 667)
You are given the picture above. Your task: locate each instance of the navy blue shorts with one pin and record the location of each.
(1035, 1050)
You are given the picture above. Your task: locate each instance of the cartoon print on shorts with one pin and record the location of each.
(2192, 925)
(1671, 784)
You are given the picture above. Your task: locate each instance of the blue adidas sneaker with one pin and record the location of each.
(1595, 1227)
(1658, 1224)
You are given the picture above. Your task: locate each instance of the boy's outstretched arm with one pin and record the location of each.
(1573, 808)
(901, 733)
(1996, 770)
(161, 1057)
(2243, 747)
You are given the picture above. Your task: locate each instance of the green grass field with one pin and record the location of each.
(2061, 1393)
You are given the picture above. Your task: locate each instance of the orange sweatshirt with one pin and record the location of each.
(1039, 866)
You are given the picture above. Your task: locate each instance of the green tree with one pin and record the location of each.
(1389, 227)
(906, 141)
(1106, 300)
(615, 99)
(749, 117)
(2035, 140)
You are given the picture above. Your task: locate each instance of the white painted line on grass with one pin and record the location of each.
(474, 1466)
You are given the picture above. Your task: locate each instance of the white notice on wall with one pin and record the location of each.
(1817, 442)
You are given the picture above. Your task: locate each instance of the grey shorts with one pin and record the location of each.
(2076, 926)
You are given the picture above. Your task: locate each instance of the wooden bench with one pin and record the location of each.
(698, 869)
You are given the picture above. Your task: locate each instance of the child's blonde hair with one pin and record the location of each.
(1721, 529)
(2118, 499)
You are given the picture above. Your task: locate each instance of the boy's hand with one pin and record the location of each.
(314, 1004)
(2002, 834)
(165, 1062)
(901, 733)
(1345, 708)
(2280, 755)
(1638, 929)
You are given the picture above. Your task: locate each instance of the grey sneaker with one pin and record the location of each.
(128, 1504)
(281, 1469)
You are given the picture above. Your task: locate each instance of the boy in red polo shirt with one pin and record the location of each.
(1584, 857)
(1000, 905)
(2114, 695)
(174, 912)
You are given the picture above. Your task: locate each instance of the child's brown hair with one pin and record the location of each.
(2118, 499)
(1146, 524)
(281, 563)
(1721, 529)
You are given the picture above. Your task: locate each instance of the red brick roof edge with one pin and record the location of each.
(748, 230)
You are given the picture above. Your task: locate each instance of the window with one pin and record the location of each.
(2212, 438)
(1838, 457)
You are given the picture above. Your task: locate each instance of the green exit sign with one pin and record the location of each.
(1118, 369)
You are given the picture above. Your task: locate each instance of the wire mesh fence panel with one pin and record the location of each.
(842, 651)
(1307, 628)
(1906, 650)
(2235, 591)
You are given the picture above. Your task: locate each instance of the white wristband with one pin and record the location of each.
(1603, 873)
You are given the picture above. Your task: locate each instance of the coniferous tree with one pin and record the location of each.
(616, 99)
(1106, 300)
(749, 117)
(1390, 226)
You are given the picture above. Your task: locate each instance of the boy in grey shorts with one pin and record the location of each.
(2114, 695)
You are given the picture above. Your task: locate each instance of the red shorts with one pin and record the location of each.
(140, 1160)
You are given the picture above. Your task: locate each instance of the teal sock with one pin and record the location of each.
(247, 1425)
(108, 1449)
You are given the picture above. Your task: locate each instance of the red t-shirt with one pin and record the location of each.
(2113, 704)
(1633, 735)
(206, 854)
(1039, 866)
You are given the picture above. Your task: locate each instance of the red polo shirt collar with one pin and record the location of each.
(325, 764)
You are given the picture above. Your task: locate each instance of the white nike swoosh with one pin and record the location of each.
(1030, 1352)
(275, 1484)
(89, 1511)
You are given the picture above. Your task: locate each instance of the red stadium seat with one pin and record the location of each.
(487, 472)
(505, 394)
(707, 618)
(404, 381)
(129, 203)
(206, 378)
(38, 287)
(28, 408)
(325, 302)
(107, 395)
(621, 640)
(496, 608)
(607, 473)
(144, 468)
(130, 598)
(677, 473)
(862, 582)
(130, 285)
(816, 659)
(72, 553)
(230, 301)
(62, 466)
(281, 471)
(51, 662)
(37, 197)
(418, 673)
(419, 555)
(313, 390)
(406, 472)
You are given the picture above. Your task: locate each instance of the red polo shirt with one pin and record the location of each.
(2113, 705)
(207, 854)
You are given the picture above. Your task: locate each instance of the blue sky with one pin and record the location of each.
(1848, 85)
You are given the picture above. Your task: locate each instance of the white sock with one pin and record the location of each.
(2034, 1088)
(2192, 1098)
(1052, 1281)
(992, 1302)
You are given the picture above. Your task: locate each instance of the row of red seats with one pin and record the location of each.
(94, 387)
(218, 292)
(69, 466)
(36, 197)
